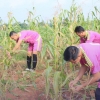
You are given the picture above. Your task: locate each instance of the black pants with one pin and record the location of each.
(97, 94)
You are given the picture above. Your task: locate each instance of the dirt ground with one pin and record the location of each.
(30, 93)
(67, 95)
(38, 93)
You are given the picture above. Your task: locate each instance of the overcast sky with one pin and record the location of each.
(45, 8)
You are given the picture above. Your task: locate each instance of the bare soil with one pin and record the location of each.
(38, 92)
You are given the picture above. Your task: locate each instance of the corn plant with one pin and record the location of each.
(57, 34)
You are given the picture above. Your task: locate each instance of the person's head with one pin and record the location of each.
(72, 54)
(13, 35)
(80, 31)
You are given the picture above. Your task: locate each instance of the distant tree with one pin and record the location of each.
(24, 25)
(41, 23)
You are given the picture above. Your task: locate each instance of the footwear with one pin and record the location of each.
(27, 69)
(31, 70)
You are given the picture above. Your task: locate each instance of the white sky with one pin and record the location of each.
(45, 8)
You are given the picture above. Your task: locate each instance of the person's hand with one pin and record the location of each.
(72, 83)
(77, 88)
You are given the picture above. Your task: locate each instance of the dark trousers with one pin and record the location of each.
(97, 94)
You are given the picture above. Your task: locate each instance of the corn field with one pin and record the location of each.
(57, 34)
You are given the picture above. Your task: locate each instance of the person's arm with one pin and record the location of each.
(81, 72)
(8, 54)
(93, 79)
(17, 46)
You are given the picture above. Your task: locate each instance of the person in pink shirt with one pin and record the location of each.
(34, 40)
(88, 54)
(87, 36)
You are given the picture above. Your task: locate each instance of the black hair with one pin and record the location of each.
(79, 29)
(70, 53)
(11, 33)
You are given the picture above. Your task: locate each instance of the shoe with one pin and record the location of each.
(27, 69)
(31, 70)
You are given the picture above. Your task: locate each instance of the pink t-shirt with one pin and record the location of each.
(92, 37)
(92, 51)
(28, 36)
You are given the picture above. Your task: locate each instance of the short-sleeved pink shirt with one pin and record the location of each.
(92, 37)
(91, 57)
(28, 36)
(33, 38)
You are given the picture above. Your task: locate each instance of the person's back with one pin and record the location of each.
(28, 36)
(91, 53)
(87, 36)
